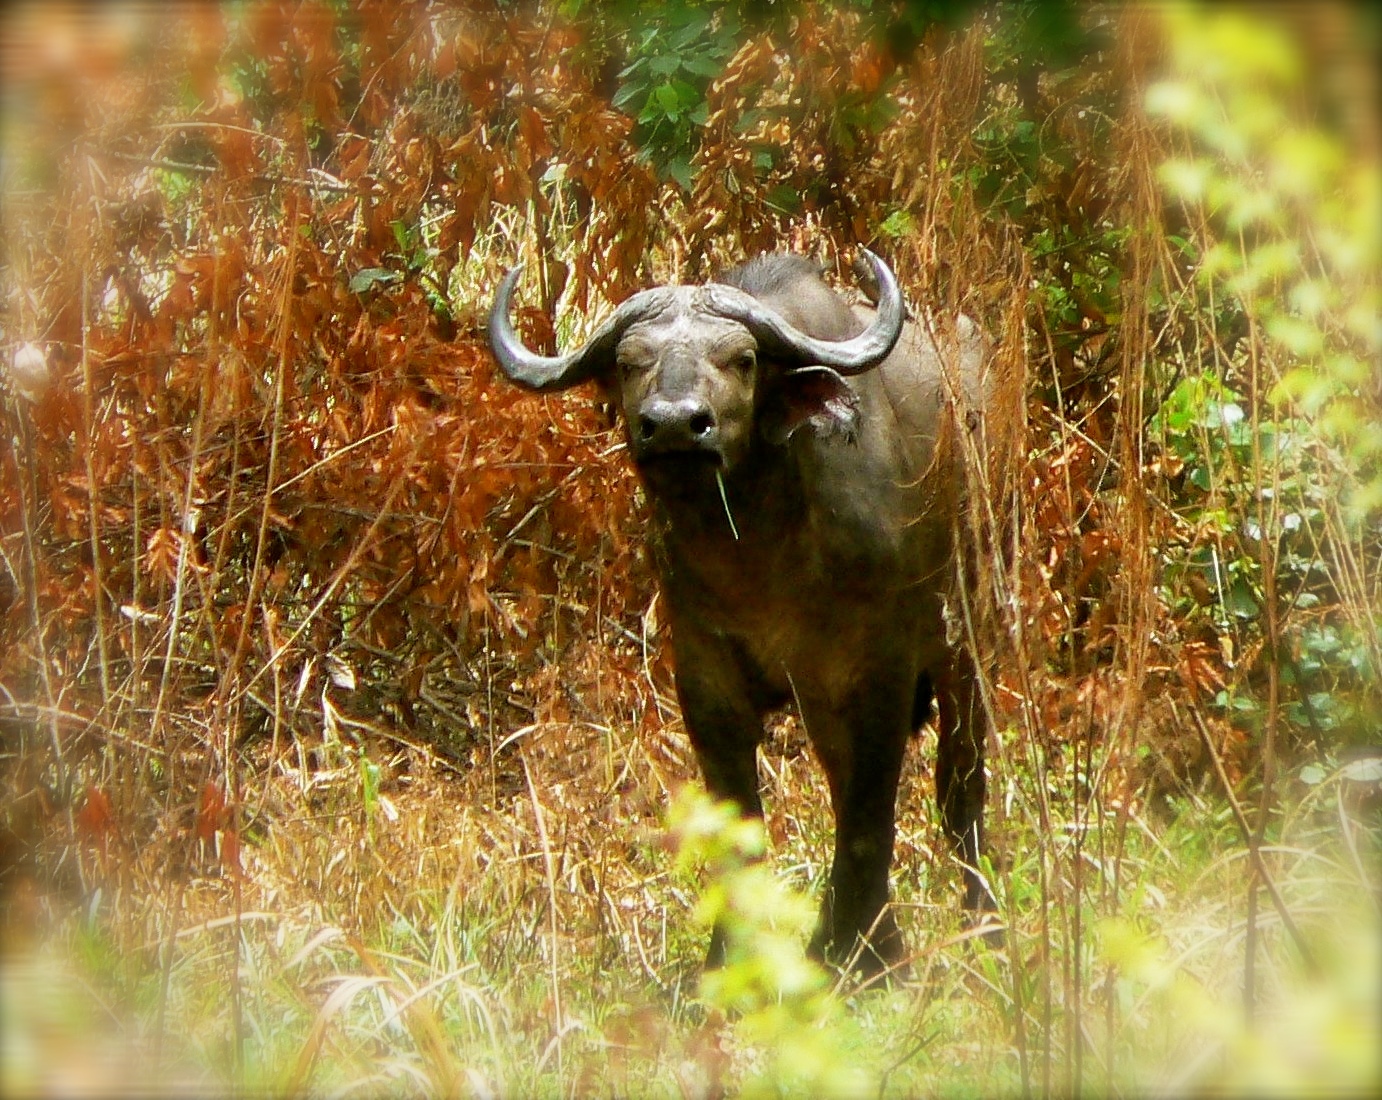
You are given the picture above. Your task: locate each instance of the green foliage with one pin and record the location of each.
(1320, 1038)
(1030, 43)
(1206, 426)
(1300, 242)
(369, 789)
(797, 1036)
(673, 59)
(1042, 163)
(1278, 437)
(899, 225)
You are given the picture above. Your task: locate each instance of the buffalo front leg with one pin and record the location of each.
(861, 750)
(960, 770)
(725, 727)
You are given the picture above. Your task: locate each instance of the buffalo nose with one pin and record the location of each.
(673, 424)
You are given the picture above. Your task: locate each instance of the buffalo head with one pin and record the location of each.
(698, 370)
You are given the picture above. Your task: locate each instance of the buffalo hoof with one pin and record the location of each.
(878, 956)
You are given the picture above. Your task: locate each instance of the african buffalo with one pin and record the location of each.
(803, 462)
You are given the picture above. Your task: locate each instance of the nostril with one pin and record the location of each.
(647, 428)
(701, 423)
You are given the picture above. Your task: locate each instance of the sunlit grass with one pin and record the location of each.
(449, 979)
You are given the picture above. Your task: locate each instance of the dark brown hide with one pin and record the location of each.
(805, 538)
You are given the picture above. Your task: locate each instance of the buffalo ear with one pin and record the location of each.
(812, 397)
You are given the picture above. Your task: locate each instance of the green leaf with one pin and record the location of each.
(367, 278)
(899, 223)
(696, 24)
(627, 93)
(785, 198)
(665, 65)
(1302, 338)
(703, 66)
(679, 168)
(667, 100)
(1240, 601)
(1367, 770)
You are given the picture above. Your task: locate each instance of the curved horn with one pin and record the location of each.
(853, 356)
(557, 372)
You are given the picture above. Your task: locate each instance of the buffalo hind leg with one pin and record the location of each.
(960, 770)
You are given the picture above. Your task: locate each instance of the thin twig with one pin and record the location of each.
(325, 183)
(93, 510)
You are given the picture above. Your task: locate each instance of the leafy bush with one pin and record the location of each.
(793, 1034)
(1276, 433)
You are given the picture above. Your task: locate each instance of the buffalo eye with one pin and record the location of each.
(743, 360)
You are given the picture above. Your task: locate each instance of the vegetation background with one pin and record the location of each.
(339, 751)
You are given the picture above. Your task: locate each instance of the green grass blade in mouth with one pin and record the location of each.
(724, 499)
